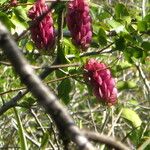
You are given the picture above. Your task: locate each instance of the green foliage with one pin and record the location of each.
(120, 11)
(120, 39)
(23, 142)
(5, 20)
(121, 85)
(131, 116)
(64, 88)
(44, 141)
(102, 37)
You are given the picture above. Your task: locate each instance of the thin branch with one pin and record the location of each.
(144, 8)
(12, 102)
(53, 131)
(93, 52)
(51, 81)
(5, 63)
(91, 114)
(43, 130)
(141, 73)
(45, 96)
(106, 119)
(114, 123)
(12, 90)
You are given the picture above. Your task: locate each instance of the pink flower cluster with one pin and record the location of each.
(79, 23)
(99, 77)
(42, 34)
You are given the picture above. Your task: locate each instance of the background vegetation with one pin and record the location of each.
(121, 35)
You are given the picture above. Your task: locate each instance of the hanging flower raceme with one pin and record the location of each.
(101, 81)
(79, 23)
(43, 33)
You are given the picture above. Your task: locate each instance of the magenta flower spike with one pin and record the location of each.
(101, 81)
(43, 34)
(79, 23)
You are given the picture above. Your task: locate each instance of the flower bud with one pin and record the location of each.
(101, 81)
(79, 23)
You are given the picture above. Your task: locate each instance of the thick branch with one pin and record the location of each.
(45, 97)
(13, 102)
(109, 141)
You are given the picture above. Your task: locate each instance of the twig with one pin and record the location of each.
(12, 90)
(92, 116)
(45, 96)
(62, 66)
(144, 7)
(146, 82)
(5, 63)
(92, 53)
(12, 102)
(39, 123)
(113, 125)
(28, 137)
(107, 115)
(53, 131)
(115, 122)
(51, 81)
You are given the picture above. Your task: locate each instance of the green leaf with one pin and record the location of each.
(6, 21)
(122, 85)
(21, 15)
(145, 145)
(125, 65)
(136, 135)
(2, 1)
(133, 52)
(30, 46)
(117, 26)
(28, 102)
(103, 15)
(102, 37)
(121, 10)
(23, 1)
(64, 88)
(94, 43)
(142, 26)
(147, 18)
(69, 44)
(146, 46)
(59, 74)
(131, 28)
(122, 66)
(22, 137)
(60, 54)
(44, 141)
(131, 116)
(137, 52)
(120, 43)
